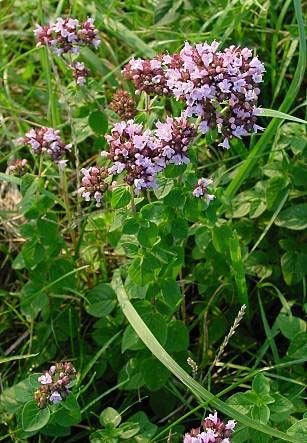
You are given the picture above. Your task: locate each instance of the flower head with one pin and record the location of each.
(79, 72)
(54, 384)
(212, 430)
(46, 140)
(133, 150)
(67, 35)
(148, 75)
(201, 190)
(93, 184)
(173, 138)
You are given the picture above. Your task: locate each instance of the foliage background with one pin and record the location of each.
(249, 246)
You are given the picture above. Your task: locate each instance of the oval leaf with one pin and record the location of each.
(33, 418)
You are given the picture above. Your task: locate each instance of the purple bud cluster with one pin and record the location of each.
(67, 35)
(221, 88)
(54, 384)
(212, 430)
(123, 104)
(93, 184)
(46, 140)
(79, 72)
(142, 154)
(201, 190)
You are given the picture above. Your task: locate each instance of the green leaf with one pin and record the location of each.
(147, 429)
(128, 430)
(13, 398)
(120, 198)
(293, 266)
(261, 384)
(110, 416)
(148, 235)
(177, 336)
(155, 373)
(68, 414)
(261, 413)
(198, 390)
(131, 340)
(33, 418)
(101, 300)
(294, 217)
(298, 347)
(290, 325)
(98, 122)
(238, 269)
(299, 430)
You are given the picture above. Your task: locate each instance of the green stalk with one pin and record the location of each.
(199, 391)
(263, 143)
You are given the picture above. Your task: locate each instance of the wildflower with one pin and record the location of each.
(17, 166)
(133, 150)
(67, 35)
(123, 104)
(79, 72)
(219, 87)
(45, 379)
(148, 75)
(173, 139)
(55, 397)
(93, 184)
(201, 189)
(46, 140)
(54, 384)
(212, 430)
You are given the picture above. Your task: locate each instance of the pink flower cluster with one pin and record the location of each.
(212, 430)
(148, 75)
(201, 190)
(54, 384)
(46, 140)
(134, 150)
(79, 72)
(221, 88)
(67, 35)
(144, 153)
(93, 184)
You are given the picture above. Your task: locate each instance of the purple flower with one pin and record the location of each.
(45, 379)
(55, 397)
(66, 35)
(93, 184)
(46, 140)
(173, 139)
(201, 189)
(134, 150)
(79, 72)
(212, 430)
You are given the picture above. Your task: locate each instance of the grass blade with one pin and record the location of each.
(281, 115)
